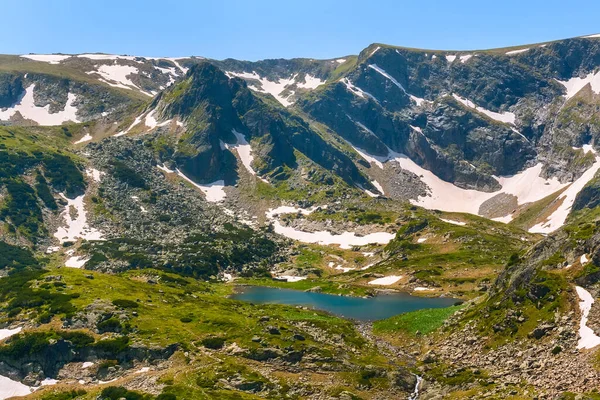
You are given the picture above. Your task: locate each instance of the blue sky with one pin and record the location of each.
(261, 29)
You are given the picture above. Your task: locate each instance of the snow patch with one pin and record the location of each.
(587, 338)
(290, 278)
(345, 240)
(244, 151)
(510, 53)
(418, 100)
(465, 58)
(77, 227)
(28, 110)
(94, 174)
(528, 186)
(6, 333)
(421, 240)
(100, 56)
(213, 191)
(558, 217)
(378, 186)
(117, 76)
(165, 169)
(275, 88)
(574, 85)
(151, 122)
(505, 220)
(310, 82)
(374, 51)
(356, 90)
(451, 221)
(136, 121)
(10, 388)
(388, 76)
(377, 160)
(84, 139)
(344, 269)
(387, 280)
(370, 194)
(76, 262)
(450, 58)
(52, 249)
(583, 259)
(49, 58)
(506, 117)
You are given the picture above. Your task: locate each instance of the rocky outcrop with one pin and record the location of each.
(213, 106)
(34, 356)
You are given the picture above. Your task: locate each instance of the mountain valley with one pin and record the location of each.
(138, 195)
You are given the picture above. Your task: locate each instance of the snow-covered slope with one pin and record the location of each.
(28, 110)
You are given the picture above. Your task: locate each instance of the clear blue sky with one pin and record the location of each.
(258, 29)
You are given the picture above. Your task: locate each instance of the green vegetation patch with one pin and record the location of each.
(422, 321)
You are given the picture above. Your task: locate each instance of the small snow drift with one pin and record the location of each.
(587, 338)
(76, 262)
(387, 280)
(213, 191)
(84, 139)
(6, 332)
(352, 88)
(513, 52)
(451, 221)
(290, 278)
(575, 84)
(10, 388)
(244, 151)
(94, 174)
(41, 115)
(378, 186)
(417, 100)
(76, 227)
(506, 117)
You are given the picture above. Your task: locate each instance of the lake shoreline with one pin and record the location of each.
(384, 305)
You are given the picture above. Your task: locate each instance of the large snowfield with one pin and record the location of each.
(28, 110)
(527, 186)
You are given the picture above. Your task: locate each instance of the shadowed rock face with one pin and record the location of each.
(372, 108)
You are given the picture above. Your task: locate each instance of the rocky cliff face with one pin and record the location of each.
(218, 110)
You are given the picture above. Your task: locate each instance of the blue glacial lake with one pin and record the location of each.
(371, 309)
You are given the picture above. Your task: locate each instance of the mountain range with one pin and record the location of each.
(138, 194)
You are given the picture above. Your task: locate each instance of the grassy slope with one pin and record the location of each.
(10, 63)
(207, 312)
